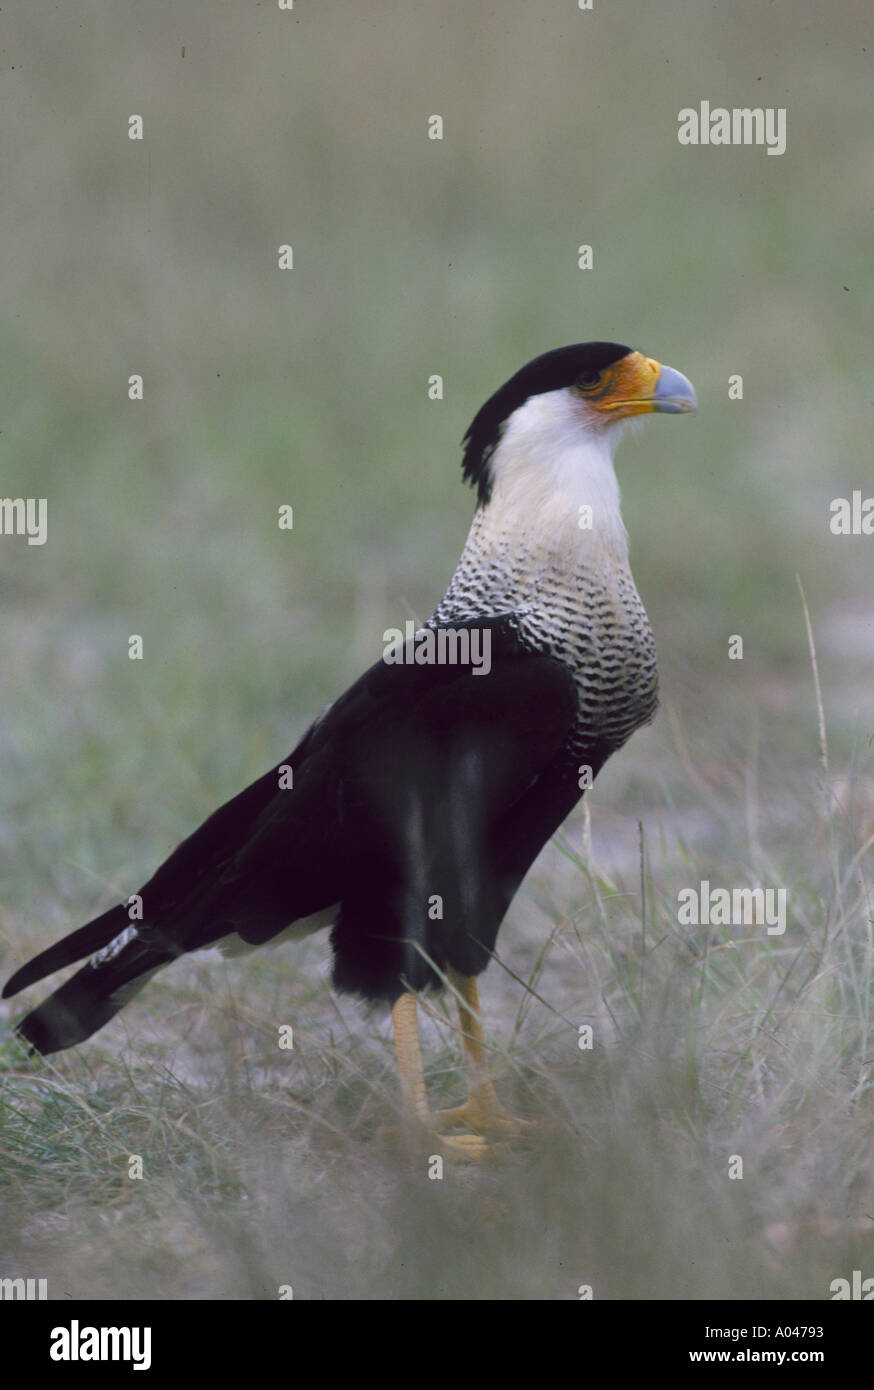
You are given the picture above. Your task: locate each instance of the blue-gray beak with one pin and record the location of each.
(674, 393)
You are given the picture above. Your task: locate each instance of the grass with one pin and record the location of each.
(263, 1167)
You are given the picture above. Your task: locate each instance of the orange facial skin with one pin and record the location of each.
(637, 385)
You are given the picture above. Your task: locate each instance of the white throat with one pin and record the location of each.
(552, 524)
(553, 482)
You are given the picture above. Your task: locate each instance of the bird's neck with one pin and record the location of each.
(552, 523)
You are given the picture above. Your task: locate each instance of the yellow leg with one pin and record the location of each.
(482, 1110)
(405, 1021)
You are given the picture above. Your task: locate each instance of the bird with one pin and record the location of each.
(412, 808)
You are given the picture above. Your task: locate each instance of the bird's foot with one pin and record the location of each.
(485, 1114)
(425, 1136)
(427, 1133)
(465, 1148)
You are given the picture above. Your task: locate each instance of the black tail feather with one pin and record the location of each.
(82, 942)
(91, 997)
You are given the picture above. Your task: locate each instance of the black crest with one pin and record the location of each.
(551, 372)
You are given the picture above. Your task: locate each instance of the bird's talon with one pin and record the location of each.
(468, 1147)
(486, 1119)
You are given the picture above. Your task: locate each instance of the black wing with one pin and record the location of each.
(403, 792)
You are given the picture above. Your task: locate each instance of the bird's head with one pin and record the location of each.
(569, 402)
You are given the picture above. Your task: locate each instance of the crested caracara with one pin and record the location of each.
(418, 800)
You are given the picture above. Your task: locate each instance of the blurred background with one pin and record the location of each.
(308, 387)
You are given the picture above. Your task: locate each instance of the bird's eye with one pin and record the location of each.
(588, 379)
